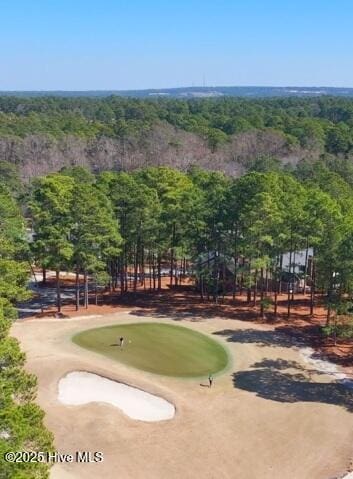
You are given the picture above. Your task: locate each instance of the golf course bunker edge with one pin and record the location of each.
(81, 387)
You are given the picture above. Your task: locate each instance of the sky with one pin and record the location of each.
(136, 44)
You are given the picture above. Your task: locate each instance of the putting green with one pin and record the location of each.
(157, 348)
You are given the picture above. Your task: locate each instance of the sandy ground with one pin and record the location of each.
(271, 415)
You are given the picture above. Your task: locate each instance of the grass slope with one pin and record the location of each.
(157, 348)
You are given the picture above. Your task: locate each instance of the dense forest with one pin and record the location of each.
(44, 134)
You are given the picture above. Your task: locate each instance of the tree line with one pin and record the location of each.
(21, 420)
(123, 230)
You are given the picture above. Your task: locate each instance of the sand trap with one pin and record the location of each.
(325, 366)
(82, 388)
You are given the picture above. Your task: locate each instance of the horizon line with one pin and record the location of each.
(203, 87)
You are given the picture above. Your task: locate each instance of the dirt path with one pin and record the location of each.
(269, 416)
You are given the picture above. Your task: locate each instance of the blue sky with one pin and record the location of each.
(118, 44)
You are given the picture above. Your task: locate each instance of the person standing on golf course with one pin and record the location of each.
(210, 380)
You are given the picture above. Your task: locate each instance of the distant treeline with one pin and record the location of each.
(323, 122)
(192, 92)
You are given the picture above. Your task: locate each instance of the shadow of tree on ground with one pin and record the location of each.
(283, 364)
(269, 381)
(275, 337)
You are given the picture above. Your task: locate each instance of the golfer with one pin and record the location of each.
(121, 341)
(210, 380)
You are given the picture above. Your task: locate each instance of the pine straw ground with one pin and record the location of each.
(183, 302)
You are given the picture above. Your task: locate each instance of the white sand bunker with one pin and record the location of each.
(82, 388)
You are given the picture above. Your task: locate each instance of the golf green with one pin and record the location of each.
(157, 348)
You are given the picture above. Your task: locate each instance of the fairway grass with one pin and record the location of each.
(157, 348)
